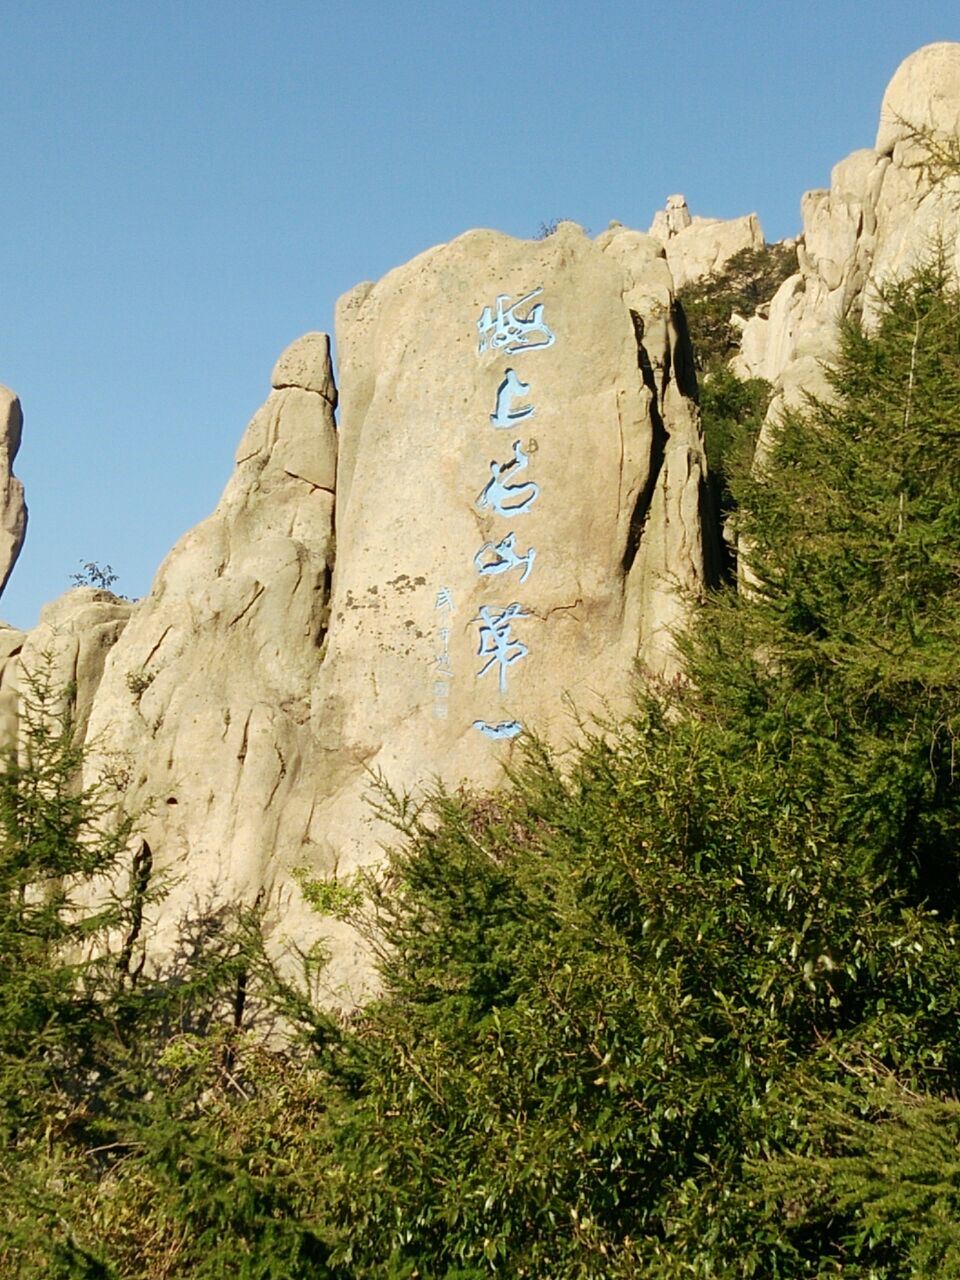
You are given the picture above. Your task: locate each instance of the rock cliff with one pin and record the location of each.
(696, 247)
(887, 209)
(507, 518)
(503, 525)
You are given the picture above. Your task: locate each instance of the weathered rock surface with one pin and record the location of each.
(63, 656)
(65, 653)
(11, 646)
(71, 644)
(924, 96)
(509, 517)
(884, 213)
(306, 365)
(13, 508)
(514, 504)
(698, 247)
(206, 697)
(673, 218)
(549, 474)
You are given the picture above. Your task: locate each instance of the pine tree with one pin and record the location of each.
(125, 1144)
(615, 991)
(55, 838)
(845, 657)
(847, 649)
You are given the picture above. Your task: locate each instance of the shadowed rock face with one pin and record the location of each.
(505, 521)
(13, 508)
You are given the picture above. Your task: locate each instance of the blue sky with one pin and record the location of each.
(188, 186)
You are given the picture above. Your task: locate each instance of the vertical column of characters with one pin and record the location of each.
(442, 668)
(515, 332)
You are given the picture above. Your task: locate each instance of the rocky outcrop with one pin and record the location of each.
(13, 508)
(205, 701)
(11, 646)
(508, 517)
(506, 525)
(699, 247)
(923, 98)
(887, 209)
(71, 643)
(63, 656)
(673, 218)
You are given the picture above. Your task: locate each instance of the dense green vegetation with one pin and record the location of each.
(683, 1004)
(731, 409)
(748, 281)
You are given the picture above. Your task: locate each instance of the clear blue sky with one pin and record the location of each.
(189, 184)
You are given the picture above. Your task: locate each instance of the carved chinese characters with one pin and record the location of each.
(442, 668)
(503, 558)
(516, 332)
(505, 498)
(508, 331)
(510, 388)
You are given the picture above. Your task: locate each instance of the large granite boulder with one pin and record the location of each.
(922, 100)
(508, 518)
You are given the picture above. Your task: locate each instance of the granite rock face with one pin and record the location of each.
(71, 643)
(508, 517)
(673, 218)
(924, 97)
(506, 525)
(65, 654)
(13, 508)
(11, 646)
(205, 701)
(886, 211)
(699, 247)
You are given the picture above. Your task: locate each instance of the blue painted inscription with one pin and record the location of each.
(509, 499)
(504, 557)
(504, 729)
(497, 645)
(511, 388)
(505, 330)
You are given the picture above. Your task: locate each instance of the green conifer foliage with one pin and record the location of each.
(143, 1124)
(884, 1181)
(54, 839)
(684, 1003)
(748, 281)
(846, 648)
(614, 992)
